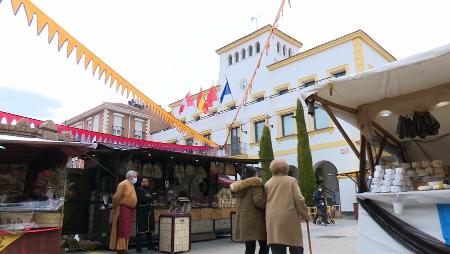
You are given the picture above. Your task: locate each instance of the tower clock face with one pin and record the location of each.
(243, 84)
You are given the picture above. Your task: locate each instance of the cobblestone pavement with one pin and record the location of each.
(336, 239)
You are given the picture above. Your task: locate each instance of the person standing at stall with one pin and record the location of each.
(250, 205)
(285, 205)
(124, 204)
(145, 218)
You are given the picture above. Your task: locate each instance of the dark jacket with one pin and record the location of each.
(250, 210)
(145, 219)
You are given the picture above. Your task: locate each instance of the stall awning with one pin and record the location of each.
(28, 149)
(187, 157)
(417, 83)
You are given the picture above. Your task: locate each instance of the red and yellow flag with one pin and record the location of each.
(201, 102)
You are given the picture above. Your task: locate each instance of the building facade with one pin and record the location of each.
(284, 73)
(130, 121)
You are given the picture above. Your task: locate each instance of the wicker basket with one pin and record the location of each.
(47, 220)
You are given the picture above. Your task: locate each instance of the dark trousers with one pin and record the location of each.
(139, 241)
(281, 249)
(250, 247)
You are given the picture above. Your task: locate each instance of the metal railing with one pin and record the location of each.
(117, 131)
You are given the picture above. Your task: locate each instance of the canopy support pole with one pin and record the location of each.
(370, 155)
(362, 166)
(380, 152)
(387, 134)
(341, 130)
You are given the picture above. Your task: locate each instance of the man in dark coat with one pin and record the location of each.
(321, 204)
(145, 219)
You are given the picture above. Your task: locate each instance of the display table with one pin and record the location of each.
(420, 210)
(174, 233)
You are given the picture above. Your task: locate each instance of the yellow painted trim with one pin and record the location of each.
(183, 120)
(172, 141)
(254, 144)
(253, 157)
(257, 33)
(279, 114)
(235, 125)
(281, 87)
(293, 136)
(346, 38)
(317, 147)
(307, 79)
(252, 122)
(195, 116)
(337, 69)
(321, 131)
(310, 123)
(358, 54)
(370, 66)
(258, 95)
(213, 110)
(231, 104)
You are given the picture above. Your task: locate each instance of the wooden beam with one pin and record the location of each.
(387, 134)
(370, 155)
(380, 151)
(322, 101)
(341, 130)
(362, 167)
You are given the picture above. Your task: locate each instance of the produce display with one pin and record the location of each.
(424, 175)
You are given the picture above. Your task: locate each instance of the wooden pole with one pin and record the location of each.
(387, 134)
(370, 155)
(341, 130)
(380, 151)
(362, 167)
(309, 237)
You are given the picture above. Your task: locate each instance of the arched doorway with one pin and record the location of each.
(325, 174)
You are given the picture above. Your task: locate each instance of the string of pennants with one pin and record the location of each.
(104, 70)
(258, 64)
(92, 136)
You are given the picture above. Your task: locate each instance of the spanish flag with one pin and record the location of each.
(201, 102)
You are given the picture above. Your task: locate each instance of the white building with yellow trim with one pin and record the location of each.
(283, 74)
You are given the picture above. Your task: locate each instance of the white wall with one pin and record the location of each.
(327, 146)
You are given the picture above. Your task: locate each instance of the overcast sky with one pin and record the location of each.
(166, 48)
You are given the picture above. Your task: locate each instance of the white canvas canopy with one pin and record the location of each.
(417, 83)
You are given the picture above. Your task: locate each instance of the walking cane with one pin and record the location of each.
(309, 237)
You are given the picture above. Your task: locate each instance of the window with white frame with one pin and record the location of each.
(138, 129)
(89, 124)
(243, 54)
(339, 74)
(117, 127)
(258, 47)
(236, 57)
(250, 50)
(288, 124)
(259, 127)
(230, 60)
(321, 119)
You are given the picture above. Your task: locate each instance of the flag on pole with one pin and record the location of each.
(226, 90)
(200, 101)
(182, 106)
(189, 101)
(186, 103)
(212, 96)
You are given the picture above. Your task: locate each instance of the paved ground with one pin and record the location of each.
(336, 239)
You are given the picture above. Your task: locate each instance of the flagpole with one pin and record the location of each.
(234, 102)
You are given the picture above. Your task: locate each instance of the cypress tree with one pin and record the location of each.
(307, 180)
(266, 153)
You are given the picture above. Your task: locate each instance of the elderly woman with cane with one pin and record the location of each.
(285, 205)
(251, 202)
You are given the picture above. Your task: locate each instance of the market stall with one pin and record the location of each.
(198, 183)
(402, 110)
(32, 189)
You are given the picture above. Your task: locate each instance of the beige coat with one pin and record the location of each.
(125, 195)
(250, 204)
(285, 206)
